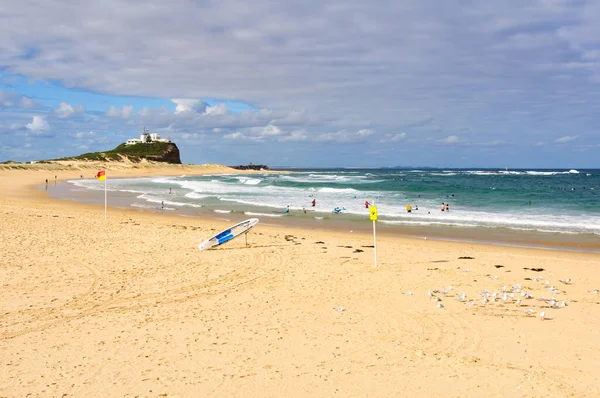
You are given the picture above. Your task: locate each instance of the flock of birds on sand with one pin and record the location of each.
(515, 294)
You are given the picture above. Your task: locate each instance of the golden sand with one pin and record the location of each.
(130, 307)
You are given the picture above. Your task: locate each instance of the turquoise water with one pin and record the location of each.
(566, 201)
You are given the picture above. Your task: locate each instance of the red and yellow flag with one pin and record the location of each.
(101, 176)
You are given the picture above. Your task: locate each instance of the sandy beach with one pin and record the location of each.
(129, 307)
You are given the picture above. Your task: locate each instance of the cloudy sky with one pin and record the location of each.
(511, 83)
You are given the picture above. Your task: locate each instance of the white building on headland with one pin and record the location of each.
(146, 137)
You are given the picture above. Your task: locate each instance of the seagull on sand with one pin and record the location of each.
(565, 281)
(440, 305)
(542, 315)
(595, 291)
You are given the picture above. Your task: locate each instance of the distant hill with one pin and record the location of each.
(166, 152)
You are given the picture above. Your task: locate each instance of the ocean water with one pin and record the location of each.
(563, 201)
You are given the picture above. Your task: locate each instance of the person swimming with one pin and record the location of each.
(443, 207)
(408, 209)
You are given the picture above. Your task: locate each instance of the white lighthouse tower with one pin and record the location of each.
(145, 136)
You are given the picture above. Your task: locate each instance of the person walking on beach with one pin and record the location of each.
(287, 209)
(443, 207)
(314, 202)
(367, 204)
(408, 209)
(170, 192)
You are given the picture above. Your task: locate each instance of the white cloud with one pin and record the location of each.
(540, 143)
(219, 109)
(493, 143)
(189, 105)
(269, 130)
(296, 136)
(38, 124)
(566, 138)
(66, 110)
(127, 111)
(82, 134)
(344, 136)
(123, 113)
(452, 139)
(14, 100)
(388, 138)
(28, 103)
(191, 136)
(235, 136)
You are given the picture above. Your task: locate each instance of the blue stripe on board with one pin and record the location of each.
(223, 234)
(225, 238)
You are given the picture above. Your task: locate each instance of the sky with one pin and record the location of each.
(338, 83)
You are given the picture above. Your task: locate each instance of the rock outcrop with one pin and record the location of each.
(251, 167)
(169, 155)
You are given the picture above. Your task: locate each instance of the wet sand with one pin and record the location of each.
(130, 307)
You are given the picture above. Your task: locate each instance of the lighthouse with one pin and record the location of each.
(144, 136)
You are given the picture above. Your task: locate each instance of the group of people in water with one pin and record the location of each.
(443, 207)
(409, 209)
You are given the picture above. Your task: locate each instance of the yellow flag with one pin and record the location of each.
(373, 211)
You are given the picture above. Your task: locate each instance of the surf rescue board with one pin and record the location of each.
(230, 233)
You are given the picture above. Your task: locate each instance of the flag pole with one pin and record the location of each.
(374, 239)
(105, 197)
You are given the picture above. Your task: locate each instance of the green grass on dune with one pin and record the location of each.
(133, 152)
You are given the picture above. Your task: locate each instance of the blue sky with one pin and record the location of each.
(307, 83)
